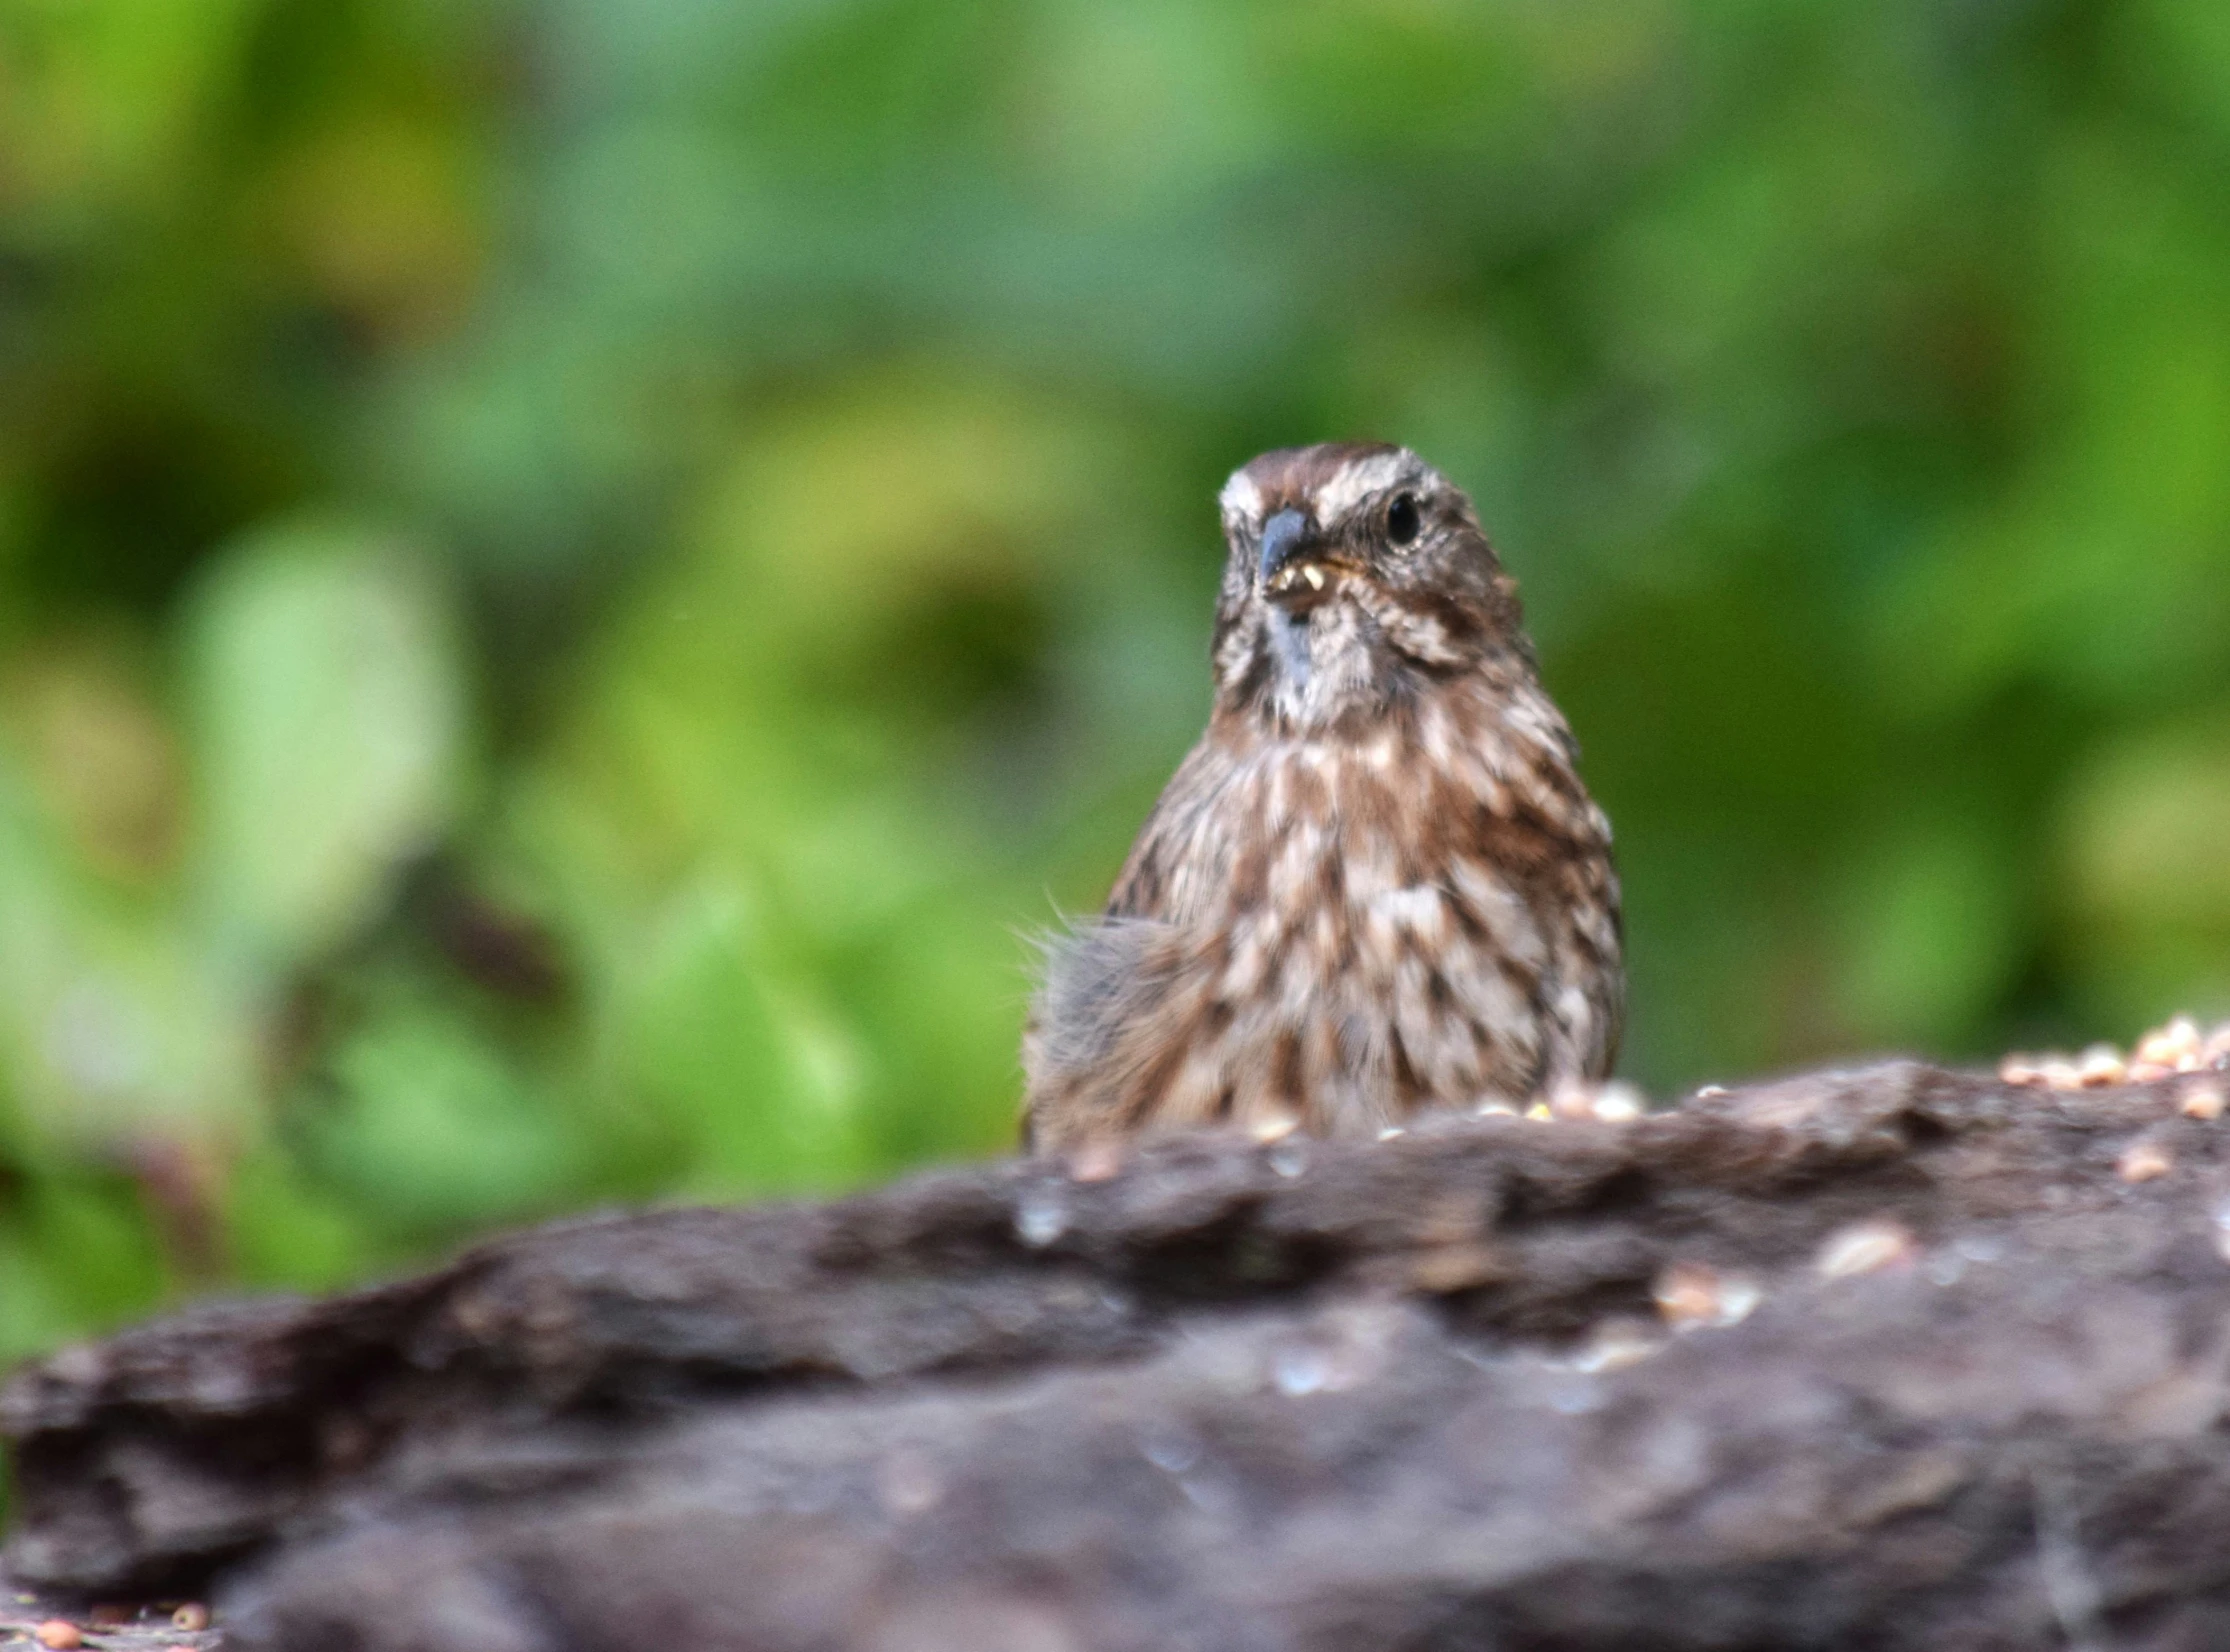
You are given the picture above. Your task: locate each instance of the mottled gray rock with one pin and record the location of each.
(1887, 1359)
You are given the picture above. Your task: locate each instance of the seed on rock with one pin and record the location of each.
(1445, 1270)
(1619, 1103)
(1687, 1293)
(2143, 1161)
(2177, 1042)
(193, 1617)
(1694, 1296)
(1614, 1102)
(1864, 1247)
(2202, 1101)
(1615, 1345)
(58, 1635)
(2020, 1069)
(2102, 1065)
(1274, 1127)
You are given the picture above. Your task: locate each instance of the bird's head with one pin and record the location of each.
(1358, 576)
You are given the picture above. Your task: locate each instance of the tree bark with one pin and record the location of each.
(1892, 1358)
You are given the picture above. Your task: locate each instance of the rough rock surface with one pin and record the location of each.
(1893, 1358)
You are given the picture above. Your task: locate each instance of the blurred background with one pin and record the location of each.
(576, 576)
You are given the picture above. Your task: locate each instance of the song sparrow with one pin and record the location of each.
(1376, 884)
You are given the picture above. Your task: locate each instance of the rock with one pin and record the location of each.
(1894, 1358)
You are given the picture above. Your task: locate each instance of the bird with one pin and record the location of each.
(1376, 885)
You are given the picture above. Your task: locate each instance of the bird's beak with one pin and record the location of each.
(1283, 538)
(1295, 570)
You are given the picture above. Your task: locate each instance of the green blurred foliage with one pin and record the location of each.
(576, 576)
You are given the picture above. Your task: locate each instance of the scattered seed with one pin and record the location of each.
(2144, 1160)
(2020, 1069)
(1864, 1247)
(1611, 1103)
(2178, 1041)
(59, 1635)
(1444, 1270)
(1392, 1132)
(1274, 1127)
(1739, 1296)
(2202, 1101)
(1494, 1110)
(193, 1617)
(2101, 1065)
(1694, 1296)
(1687, 1293)
(1615, 1345)
(1539, 1110)
(1619, 1103)
(1711, 1092)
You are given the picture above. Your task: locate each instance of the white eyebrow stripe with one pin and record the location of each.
(1241, 498)
(1357, 480)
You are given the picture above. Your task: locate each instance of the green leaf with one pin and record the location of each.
(431, 1131)
(754, 1082)
(330, 733)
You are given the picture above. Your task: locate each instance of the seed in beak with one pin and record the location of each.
(1315, 577)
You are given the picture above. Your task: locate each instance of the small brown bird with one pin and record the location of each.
(1376, 884)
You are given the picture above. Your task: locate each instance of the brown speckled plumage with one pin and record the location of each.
(1376, 884)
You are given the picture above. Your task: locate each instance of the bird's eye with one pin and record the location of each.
(1402, 521)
